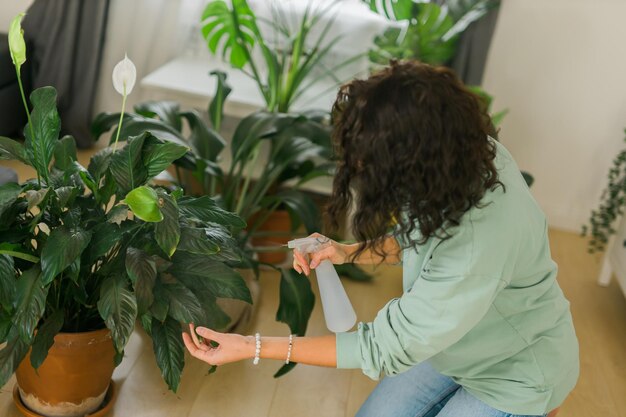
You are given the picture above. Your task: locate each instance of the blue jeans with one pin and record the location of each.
(423, 392)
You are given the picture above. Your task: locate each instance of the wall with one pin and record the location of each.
(9, 9)
(560, 67)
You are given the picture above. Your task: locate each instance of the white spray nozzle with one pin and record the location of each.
(308, 244)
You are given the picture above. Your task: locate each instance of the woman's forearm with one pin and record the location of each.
(320, 351)
(390, 248)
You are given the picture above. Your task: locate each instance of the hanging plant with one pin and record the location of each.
(611, 206)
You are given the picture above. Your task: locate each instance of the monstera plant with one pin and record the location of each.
(84, 248)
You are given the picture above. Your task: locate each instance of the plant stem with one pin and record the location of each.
(30, 122)
(246, 183)
(119, 125)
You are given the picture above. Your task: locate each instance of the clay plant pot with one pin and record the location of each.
(73, 380)
(279, 221)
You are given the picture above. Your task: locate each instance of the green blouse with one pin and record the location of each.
(483, 307)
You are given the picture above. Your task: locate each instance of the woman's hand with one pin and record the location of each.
(336, 253)
(231, 347)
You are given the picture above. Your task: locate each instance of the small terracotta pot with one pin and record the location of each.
(278, 221)
(74, 378)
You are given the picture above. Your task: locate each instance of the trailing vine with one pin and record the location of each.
(602, 220)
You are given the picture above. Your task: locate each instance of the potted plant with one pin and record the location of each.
(611, 208)
(85, 252)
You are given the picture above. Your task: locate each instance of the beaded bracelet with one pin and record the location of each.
(289, 350)
(257, 354)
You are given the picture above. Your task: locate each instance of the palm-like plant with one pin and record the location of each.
(285, 68)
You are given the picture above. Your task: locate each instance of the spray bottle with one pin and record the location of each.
(338, 312)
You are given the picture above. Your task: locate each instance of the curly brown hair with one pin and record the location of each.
(413, 153)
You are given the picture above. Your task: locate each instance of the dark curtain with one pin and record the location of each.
(68, 40)
(471, 57)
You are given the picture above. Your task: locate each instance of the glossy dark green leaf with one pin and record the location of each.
(167, 111)
(11, 355)
(12, 150)
(144, 203)
(160, 306)
(285, 369)
(202, 272)
(158, 155)
(17, 251)
(30, 303)
(251, 129)
(296, 301)
(142, 271)
(104, 122)
(137, 125)
(206, 209)
(65, 152)
(206, 142)
(99, 164)
(167, 232)
(7, 281)
(216, 107)
(66, 195)
(169, 350)
(214, 316)
(62, 248)
(44, 339)
(5, 325)
(127, 167)
(353, 272)
(46, 126)
(118, 308)
(8, 195)
(104, 237)
(184, 305)
(194, 240)
(301, 206)
(232, 29)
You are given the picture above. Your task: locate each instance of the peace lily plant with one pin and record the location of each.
(84, 248)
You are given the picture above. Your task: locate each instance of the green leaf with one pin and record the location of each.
(104, 237)
(216, 107)
(167, 232)
(353, 272)
(61, 249)
(65, 153)
(11, 356)
(167, 111)
(144, 203)
(46, 126)
(126, 165)
(17, 251)
(203, 273)
(432, 37)
(205, 209)
(44, 339)
(117, 214)
(8, 195)
(296, 301)
(184, 305)
(7, 281)
(5, 325)
(17, 45)
(12, 149)
(284, 369)
(118, 308)
(66, 195)
(300, 206)
(99, 164)
(158, 155)
(392, 9)
(142, 271)
(168, 349)
(214, 316)
(104, 122)
(35, 197)
(195, 240)
(30, 302)
(234, 29)
(206, 142)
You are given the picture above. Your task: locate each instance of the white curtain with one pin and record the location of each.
(151, 32)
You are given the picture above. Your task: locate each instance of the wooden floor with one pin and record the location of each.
(245, 390)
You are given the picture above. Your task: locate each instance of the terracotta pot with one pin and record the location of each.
(278, 221)
(74, 378)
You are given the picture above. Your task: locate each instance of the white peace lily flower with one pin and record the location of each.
(124, 76)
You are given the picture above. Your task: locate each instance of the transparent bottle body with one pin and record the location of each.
(338, 311)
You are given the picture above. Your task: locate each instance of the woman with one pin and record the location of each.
(482, 328)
